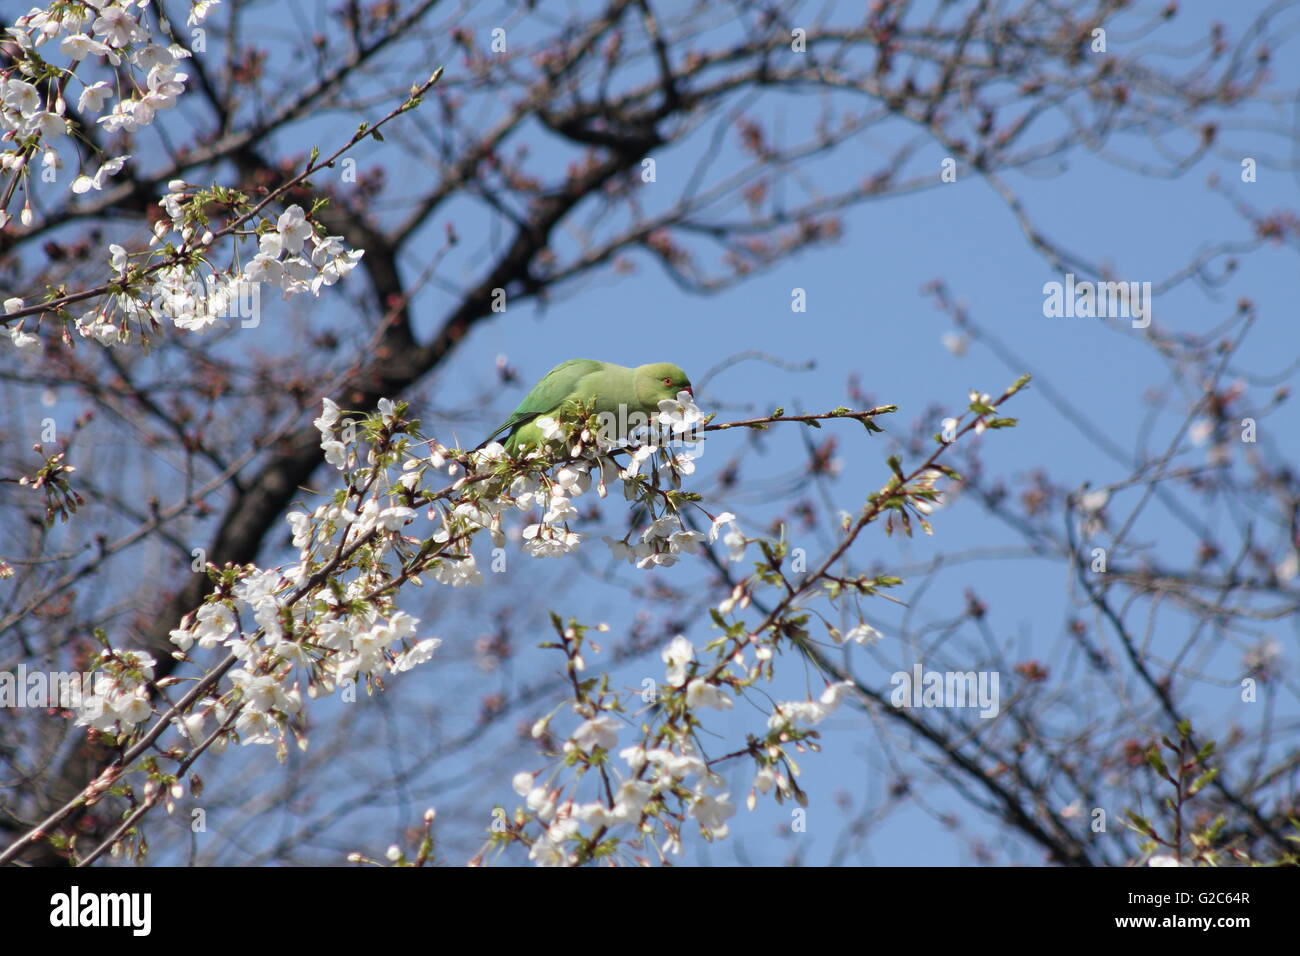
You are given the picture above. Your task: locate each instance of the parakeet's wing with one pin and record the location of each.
(555, 388)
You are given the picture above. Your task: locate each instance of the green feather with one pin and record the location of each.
(603, 385)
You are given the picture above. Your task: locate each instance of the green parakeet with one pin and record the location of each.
(605, 385)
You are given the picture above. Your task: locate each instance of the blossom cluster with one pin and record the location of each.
(34, 91)
(590, 463)
(667, 778)
(175, 279)
(121, 696)
(331, 615)
(409, 509)
(330, 618)
(293, 256)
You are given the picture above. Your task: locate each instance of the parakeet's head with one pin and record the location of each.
(660, 380)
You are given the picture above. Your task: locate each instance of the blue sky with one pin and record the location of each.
(867, 316)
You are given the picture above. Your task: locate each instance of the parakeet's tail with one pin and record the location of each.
(508, 442)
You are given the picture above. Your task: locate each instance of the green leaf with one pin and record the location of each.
(1157, 762)
(1199, 783)
(1140, 824)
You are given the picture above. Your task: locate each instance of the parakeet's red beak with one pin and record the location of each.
(688, 391)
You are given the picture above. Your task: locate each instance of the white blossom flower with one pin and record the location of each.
(633, 467)
(332, 260)
(335, 453)
(109, 167)
(199, 11)
(630, 799)
(293, 228)
(678, 656)
(661, 527)
(680, 414)
(680, 463)
(598, 732)
(549, 427)
(328, 416)
(21, 97)
(544, 541)
(47, 124)
(635, 757)
(458, 573)
(736, 543)
(128, 114)
(264, 268)
(93, 96)
(191, 725)
(541, 801)
(594, 814)
(24, 342)
(117, 27)
(725, 518)
(526, 491)
(863, 634)
(392, 519)
(545, 852)
(259, 691)
(700, 693)
(419, 654)
(713, 812)
(620, 550)
(1092, 502)
(559, 508)
(833, 694)
(95, 324)
(678, 765)
(788, 712)
(213, 623)
(254, 727)
(134, 707)
(79, 46)
(685, 541)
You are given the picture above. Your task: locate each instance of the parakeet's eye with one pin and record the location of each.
(668, 381)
